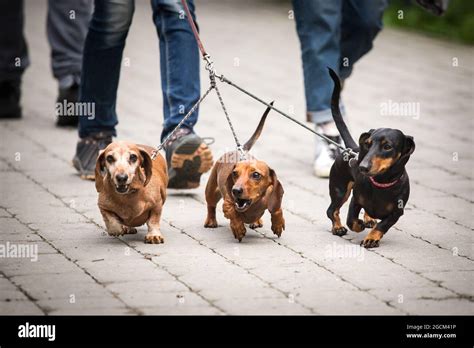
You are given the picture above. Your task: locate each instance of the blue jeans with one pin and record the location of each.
(336, 34)
(179, 63)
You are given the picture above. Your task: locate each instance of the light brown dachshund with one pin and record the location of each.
(132, 189)
(248, 187)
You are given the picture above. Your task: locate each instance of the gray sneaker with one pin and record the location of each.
(87, 151)
(188, 157)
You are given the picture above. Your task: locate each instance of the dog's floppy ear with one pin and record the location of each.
(230, 182)
(364, 136)
(147, 165)
(409, 146)
(99, 169)
(275, 198)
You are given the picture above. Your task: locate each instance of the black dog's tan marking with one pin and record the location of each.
(379, 181)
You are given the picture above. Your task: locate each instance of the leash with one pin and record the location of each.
(190, 112)
(343, 148)
(213, 85)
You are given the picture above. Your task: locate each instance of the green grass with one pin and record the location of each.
(457, 24)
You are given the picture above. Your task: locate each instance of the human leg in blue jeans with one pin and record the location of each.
(188, 157)
(332, 34)
(186, 154)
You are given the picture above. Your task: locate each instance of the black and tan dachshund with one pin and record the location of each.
(378, 178)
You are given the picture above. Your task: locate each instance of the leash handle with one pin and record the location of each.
(193, 28)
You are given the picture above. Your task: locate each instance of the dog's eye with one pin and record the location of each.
(235, 173)
(110, 159)
(387, 147)
(133, 158)
(368, 143)
(256, 175)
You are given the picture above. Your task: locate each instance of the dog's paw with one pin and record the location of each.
(210, 223)
(129, 230)
(278, 228)
(238, 230)
(116, 232)
(369, 243)
(357, 225)
(339, 231)
(372, 240)
(257, 224)
(154, 238)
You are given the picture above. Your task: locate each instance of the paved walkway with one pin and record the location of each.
(424, 265)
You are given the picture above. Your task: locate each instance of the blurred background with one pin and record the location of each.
(456, 24)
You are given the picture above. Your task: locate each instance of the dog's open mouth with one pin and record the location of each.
(242, 204)
(121, 188)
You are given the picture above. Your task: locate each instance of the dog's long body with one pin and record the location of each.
(132, 189)
(379, 181)
(248, 187)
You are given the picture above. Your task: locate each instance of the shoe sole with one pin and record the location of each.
(188, 163)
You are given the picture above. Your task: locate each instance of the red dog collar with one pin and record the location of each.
(381, 184)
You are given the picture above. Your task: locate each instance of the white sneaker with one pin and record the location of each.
(326, 153)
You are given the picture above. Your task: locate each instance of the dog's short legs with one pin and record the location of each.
(337, 228)
(113, 225)
(353, 221)
(213, 195)
(278, 222)
(369, 222)
(339, 195)
(236, 224)
(211, 221)
(373, 237)
(154, 235)
(257, 224)
(238, 229)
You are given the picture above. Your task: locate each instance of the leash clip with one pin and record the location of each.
(210, 67)
(242, 154)
(353, 157)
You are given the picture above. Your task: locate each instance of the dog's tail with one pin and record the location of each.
(248, 145)
(336, 112)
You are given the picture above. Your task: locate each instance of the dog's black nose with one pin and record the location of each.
(121, 178)
(237, 191)
(363, 169)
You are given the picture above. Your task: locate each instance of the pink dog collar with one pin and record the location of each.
(382, 185)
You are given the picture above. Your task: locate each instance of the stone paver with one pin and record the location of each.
(425, 264)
